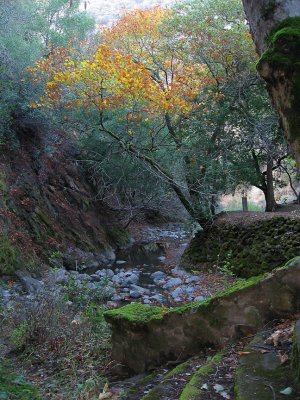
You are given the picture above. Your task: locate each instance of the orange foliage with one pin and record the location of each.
(138, 65)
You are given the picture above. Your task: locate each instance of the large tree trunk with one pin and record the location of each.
(279, 64)
(269, 192)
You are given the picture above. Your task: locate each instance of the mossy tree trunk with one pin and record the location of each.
(275, 28)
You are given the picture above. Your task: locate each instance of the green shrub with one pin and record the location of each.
(15, 387)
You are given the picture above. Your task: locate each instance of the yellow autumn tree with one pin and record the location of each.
(140, 71)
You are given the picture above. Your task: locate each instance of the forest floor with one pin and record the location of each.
(251, 217)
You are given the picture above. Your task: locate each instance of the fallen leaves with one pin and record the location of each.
(106, 394)
(280, 336)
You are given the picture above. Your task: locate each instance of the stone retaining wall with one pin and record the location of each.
(144, 337)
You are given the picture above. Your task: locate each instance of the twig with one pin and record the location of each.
(273, 391)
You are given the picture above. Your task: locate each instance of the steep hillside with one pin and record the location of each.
(46, 204)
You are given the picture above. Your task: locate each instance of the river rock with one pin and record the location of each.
(179, 272)
(178, 292)
(192, 279)
(172, 282)
(131, 279)
(135, 294)
(29, 284)
(157, 275)
(199, 298)
(96, 278)
(120, 262)
(60, 276)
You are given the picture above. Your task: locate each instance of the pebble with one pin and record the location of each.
(199, 298)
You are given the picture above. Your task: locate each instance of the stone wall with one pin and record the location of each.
(144, 337)
(246, 250)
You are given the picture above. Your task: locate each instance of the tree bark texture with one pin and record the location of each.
(275, 28)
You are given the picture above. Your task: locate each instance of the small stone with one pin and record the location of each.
(157, 275)
(95, 278)
(117, 298)
(60, 276)
(199, 298)
(189, 289)
(135, 294)
(178, 272)
(177, 292)
(120, 262)
(161, 258)
(192, 279)
(112, 304)
(84, 277)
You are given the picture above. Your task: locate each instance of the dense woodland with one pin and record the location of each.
(107, 131)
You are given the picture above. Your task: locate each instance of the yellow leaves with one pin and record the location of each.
(136, 66)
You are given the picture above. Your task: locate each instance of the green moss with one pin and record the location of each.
(3, 185)
(142, 314)
(154, 394)
(141, 384)
(14, 387)
(179, 369)
(192, 390)
(157, 392)
(245, 250)
(135, 313)
(284, 45)
(118, 235)
(258, 371)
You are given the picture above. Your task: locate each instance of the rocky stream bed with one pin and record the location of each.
(148, 272)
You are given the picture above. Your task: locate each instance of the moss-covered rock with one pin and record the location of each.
(135, 313)
(144, 337)
(118, 235)
(245, 250)
(192, 390)
(261, 375)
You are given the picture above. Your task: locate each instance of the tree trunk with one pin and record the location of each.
(269, 191)
(245, 203)
(279, 63)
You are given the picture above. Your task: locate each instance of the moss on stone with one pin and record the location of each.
(245, 250)
(141, 384)
(192, 390)
(141, 314)
(135, 313)
(118, 235)
(257, 372)
(157, 392)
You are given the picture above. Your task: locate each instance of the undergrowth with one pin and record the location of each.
(64, 348)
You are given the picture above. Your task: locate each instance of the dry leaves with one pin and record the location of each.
(280, 336)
